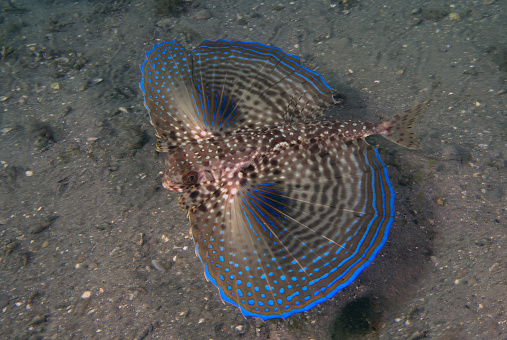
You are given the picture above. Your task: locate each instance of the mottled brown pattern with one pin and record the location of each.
(285, 210)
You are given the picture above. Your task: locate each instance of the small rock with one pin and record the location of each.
(144, 332)
(417, 335)
(96, 80)
(434, 14)
(9, 247)
(482, 242)
(80, 63)
(24, 258)
(203, 14)
(38, 319)
(412, 312)
(416, 21)
(42, 134)
(165, 23)
(161, 265)
(455, 16)
(241, 20)
(157, 265)
(40, 227)
(140, 239)
(65, 111)
(497, 163)
(82, 304)
(104, 226)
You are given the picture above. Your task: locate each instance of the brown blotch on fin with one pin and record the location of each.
(401, 128)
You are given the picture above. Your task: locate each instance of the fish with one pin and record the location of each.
(286, 208)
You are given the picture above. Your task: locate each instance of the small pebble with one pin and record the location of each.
(38, 319)
(417, 335)
(96, 80)
(158, 265)
(455, 16)
(39, 227)
(202, 15)
(29, 173)
(165, 23)
(140, 239)
(144, 332)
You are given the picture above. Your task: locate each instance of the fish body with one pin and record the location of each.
(285, 210)
(213, 157)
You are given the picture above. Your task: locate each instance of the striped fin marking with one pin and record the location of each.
(223, 86)
(285, 241)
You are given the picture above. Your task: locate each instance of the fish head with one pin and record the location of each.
(181, 173)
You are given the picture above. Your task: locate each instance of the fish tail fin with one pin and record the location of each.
(401, 130)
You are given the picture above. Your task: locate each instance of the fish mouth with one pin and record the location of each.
(169, 185)
(172, 188)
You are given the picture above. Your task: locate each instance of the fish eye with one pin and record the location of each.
(189, 178)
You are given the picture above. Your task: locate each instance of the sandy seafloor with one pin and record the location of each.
(92, 247)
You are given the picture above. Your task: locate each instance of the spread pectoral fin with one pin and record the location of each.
(294, 227)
